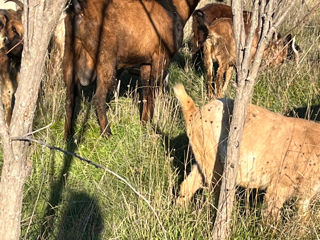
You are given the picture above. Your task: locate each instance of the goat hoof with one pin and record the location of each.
(144, 122)
(67, 137)
(107, 133)
(182, 201)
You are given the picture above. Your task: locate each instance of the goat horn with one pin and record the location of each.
(296, 52)
(20, 4)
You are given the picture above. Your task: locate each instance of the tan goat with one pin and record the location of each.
(219, 46)
(278, 154)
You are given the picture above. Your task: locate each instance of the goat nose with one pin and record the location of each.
(4, 39)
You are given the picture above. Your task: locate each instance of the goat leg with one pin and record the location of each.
(7, 97)
(70, 103)
(275, 197)
(190, 185)
(69, 77)
(104, 84)
(219, 81)
(146, 96)
(303, 206)
(228, 78)
(208, 63)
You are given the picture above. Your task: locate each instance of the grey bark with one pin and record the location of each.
(39, 20)
(247, 72)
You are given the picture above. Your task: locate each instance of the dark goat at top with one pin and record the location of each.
(104, 36)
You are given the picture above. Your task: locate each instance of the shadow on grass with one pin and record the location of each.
(182, 153)
(81, 218)
(57, 185)
(249, 200)
(183, 158)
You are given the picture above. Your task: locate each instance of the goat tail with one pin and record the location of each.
(186, 102)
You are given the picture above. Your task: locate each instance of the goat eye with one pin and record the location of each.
(14, 30)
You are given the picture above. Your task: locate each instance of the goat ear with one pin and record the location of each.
(294, 45)
(288, 38)
(279, 36)
(5, 14)
(200, 16)
(276, 36)
(77, 6)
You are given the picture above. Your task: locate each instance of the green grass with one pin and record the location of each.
(66, 198)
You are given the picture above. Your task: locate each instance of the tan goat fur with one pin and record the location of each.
(277, 154)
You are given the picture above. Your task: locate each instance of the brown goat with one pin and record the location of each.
(10, 57)
(278, 154)
(219, 46)
(212, 11)
(56, 46)
(119, 34)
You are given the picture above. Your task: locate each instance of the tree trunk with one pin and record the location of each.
(39, 21)
(247, 72)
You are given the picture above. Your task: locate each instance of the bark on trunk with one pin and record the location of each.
(39, 20)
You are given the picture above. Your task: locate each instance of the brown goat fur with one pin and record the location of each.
(278, 154)
(7, 87)
(212, 11)
(15, 32)
(119, 34)
(219, 46)
(10, 57)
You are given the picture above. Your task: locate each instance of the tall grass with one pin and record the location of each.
(69, 199)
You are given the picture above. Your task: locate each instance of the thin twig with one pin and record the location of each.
(20, 42)
(28, 139)
(38, 130)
